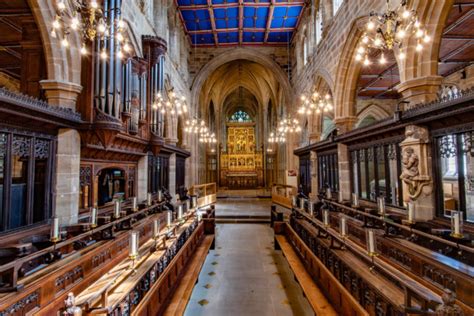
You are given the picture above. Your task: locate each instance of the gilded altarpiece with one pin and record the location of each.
(241, 164)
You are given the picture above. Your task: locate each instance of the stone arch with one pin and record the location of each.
(63, 65)
(372, 110)
(236, 54)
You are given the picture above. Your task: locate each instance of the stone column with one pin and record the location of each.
(59, 93)
(416, 165)
(67, 187)
(420, 90)
(345, 124)
(344, 165)
(142, 179)
(172, 177)
(314, 175)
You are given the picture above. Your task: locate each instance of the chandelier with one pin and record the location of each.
(175, 104)
(316, 103)
(199, 128)
(386, 31)
(276, 137)
(289, 125)
(88, 20)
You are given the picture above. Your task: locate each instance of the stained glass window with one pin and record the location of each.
(240, 116)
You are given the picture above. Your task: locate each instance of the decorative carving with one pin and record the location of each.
(85, 175)
(71, 308)
(41, 148)
(23, 306)
(21, 146)
(449, 307)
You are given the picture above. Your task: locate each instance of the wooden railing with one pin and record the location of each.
(282, 194)
(206, 193)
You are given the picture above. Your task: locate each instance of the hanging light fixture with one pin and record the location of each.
(386, 31)
(276, 137)
(87, 18)
(194, 126)
(316, 103)
(175, 104)
(289, 125)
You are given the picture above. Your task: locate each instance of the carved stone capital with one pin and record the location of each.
(61, 93)
(420, 90)
(345, 124)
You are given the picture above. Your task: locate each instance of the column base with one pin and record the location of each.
(63, 94)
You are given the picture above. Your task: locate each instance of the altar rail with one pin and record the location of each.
(206, 193)
(282, 194)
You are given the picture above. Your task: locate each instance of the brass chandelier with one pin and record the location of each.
(176, 104)
(315, 104)
(386, 31)
(91, 22)
(198, 127)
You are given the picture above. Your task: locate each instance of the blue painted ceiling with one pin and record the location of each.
(234, 22)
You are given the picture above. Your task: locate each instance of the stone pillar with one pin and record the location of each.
(344, 173)
(63, 94)
(416, 165)
(420, 90)
(142, 179)
(314, 137)
(172, 177)
(68, 157)
(314, 175)
(345, 124)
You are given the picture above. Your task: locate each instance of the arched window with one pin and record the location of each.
(336, 4)
(240, 116)
(318, 26)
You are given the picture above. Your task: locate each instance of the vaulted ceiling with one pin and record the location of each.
(240, 22)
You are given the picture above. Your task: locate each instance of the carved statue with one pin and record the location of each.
(449, 307)
(410, 162)
(71, 308)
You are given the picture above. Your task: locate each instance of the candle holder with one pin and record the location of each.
(55, 234)
(343, 230)
(133, 249)
(411, 212)
(149, 199)
(457, 224)
(93, 217)
(134, 204)
(371, 243)
(117, 209)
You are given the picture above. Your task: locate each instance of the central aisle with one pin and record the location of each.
(245, 276)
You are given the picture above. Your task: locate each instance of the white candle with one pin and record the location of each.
(117, 207)
(381, 202)
(160, 196)
(133, 249)
(195, 201)
(328, 193)
(156, 228)
(168, 218)
(341, 198)
(180, 212)
(134, 204)
(302, 203)
(343, 226)
(188, 205)
(311, 208)
(355, 199)
(93, 217)
(149, 199)
(293, 200)
(326, 218)
(411, 211)
(371, 242)
(456, 220)
(55, 229)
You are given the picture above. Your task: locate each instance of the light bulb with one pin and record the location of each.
(427, 38)
(361, 50)
(366, 61)
(318, 111)
(65, 42)
(56, 24)
(61, 5)
(401, 33)
(120, 54)
(74, 23)
(365, 39)
(382, 60)
(83, 50)
(103, 54)
(119, 37)
(101, 28)
(377, 42)
(126, 47)
(419, 47)
(417, 24)
(121, 24)
(94, 4)
(370, 25)
(406, 14)
(419, 33)
(358, 57)
(401, 55)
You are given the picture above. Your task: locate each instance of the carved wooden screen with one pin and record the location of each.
(180, 174)
(305, 173)
(328, 171)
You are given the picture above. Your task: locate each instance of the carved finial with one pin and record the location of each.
(71, 308)
(449, 307)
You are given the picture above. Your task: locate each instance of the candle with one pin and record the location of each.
(381, 203)
(117, 207)
(371, 242)
(328, 193)
(311, 208)
(180, 212)
(93, 217)
(326, 217)
(133, 249)
(55, 229)
(302, 203)
(168, 218)
(160, 196)
(456, 223)
(343, 226)
(293, 200)
(188, 205)
(134, 204)
(341, 198)
(149, 199)
(195, 199)
(156, 228)
(411, 211)
(355, 199)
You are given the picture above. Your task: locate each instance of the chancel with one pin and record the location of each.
(234, 157)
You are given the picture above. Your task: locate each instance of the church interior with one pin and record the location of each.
(236, 157)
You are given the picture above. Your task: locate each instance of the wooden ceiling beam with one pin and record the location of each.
(456, 51)
(461, 37)
(269, 20)
(213, 22)
(459, 21)
(250, 29)
(241, 21)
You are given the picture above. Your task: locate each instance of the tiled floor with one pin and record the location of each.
(243, 207)
(245, 276)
